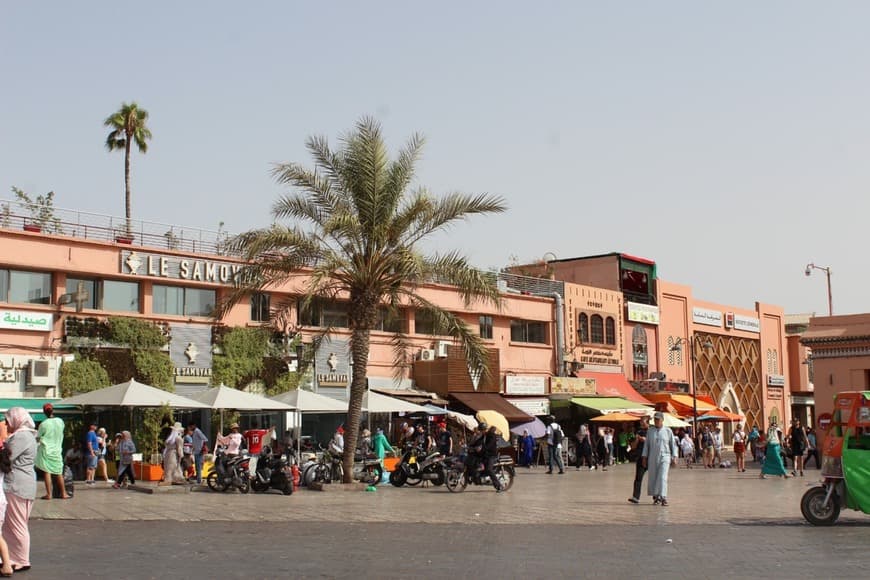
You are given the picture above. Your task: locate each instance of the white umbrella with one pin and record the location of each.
(378, 403)
(307, 402)
(224, 397)
(133, 394)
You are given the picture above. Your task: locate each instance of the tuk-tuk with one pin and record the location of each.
(846, 463)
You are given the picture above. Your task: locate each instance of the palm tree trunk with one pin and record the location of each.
(127, 185)
(359, 350)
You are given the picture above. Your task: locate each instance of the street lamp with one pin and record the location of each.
(693, 343)
(809, 270)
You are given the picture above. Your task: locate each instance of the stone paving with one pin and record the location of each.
(697, 496)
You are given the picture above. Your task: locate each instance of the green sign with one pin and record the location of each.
(24, 320)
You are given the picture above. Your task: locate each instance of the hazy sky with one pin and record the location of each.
(726, 141)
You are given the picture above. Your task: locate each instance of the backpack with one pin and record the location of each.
(557, 434)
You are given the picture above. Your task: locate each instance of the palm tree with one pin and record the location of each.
(128, 126)
(361, 243)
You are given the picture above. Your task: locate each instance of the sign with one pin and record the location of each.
(774, 393)
(643, 313)
(598, 356)
(177, 268)
(572, 386)
(747, 324)
(25, 320)
(525, 385)
(532, 406)
(775, 380)
(653, 386)
(824, 421)
(707, 317)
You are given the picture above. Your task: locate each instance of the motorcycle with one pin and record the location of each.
(460, 473)
(846, 463)
(273, 472)
(229, 471)
(417, 466)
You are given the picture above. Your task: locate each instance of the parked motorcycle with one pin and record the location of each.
(459, 473)
(229, 471)
(417, 466)
(273, 472)
(367, 469)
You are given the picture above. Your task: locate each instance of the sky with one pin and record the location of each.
(726, 141)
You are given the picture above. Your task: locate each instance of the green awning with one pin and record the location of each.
(34, 406)
(609, 404)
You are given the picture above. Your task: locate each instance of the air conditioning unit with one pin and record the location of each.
(441, 348)
(426, 354)
(42, 373)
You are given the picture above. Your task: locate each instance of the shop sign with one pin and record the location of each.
(707, 317)
(25, 320)
(775, 380)
(525, 385)
(172, 267)
(747, 324)
(532, 406)
(802, 400)
(824, 421)
(598, 357)
(653, 386)
(572, 386)
(643, 313)
(774, 393)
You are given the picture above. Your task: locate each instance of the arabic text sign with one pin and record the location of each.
(643, 313)
(25, 320)
(707, 316)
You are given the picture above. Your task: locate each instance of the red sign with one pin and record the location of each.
(824, 421)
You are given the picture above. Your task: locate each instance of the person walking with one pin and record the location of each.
(608, 445)
(717, 446)
(49, 453)
(638, 446)
(5, 467)
(707, 447)
(687, 447)
(19, 485)
(659, 453)
(797, 439)
(753, 438)
(103, 442)
(200, 448)
(812, 449)
(739, 442)
(527, 449)
(490, 457)
(554, 445)
(622, 446)
(772, 458)
(126, 449)
(172, 454)
(91, 453)
(584, 447)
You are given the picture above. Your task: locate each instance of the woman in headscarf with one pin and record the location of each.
(772, 460)
(19, 486)
(172, 454)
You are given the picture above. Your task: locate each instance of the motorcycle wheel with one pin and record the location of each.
(505, 475)
(442, 477)
(815, 510)
(308, 476)
(455, 480)
(258, 486)
(371, 474)
(288, 488)
(398, 477)
(214, 482)
(321, 473)
(245, 486)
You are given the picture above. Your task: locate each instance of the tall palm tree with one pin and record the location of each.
(356, 235)
(128, 127)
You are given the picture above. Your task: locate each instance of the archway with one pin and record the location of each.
(728, 401)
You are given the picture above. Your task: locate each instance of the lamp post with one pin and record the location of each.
(809, 270)
(693, 343)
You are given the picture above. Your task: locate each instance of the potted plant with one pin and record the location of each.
(41, 212)
(151, 468)
(123, 237)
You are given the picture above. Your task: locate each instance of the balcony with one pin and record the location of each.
(15, 215)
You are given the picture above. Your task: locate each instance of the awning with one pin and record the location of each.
(610, 405)
(34, 407)
(681, 403)
(612, 385)
(620, 417)
(494, 402)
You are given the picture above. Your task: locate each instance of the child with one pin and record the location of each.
(5, 467)
(688, 449)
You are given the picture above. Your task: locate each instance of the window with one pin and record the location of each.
(180, 301)
(323, 314)
(424, 323)
(390, 321)
(583, 328)
(486, 327)
(260, 307)
(120, 296)
(526, 331)
(22, 287)
(88, 286)
(609, 331)
(597, 329)
(639, 353)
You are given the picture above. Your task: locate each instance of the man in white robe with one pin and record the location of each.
(659, 453)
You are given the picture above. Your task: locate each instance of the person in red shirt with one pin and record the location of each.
(256, 438)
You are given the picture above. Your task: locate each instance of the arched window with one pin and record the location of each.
(609, 331)
(583, 328)
(597, 329)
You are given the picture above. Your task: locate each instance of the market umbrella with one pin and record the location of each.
(224, 397)
(495, 419)
(308, 402)
(133, 394)
(536, 428)
(377, 403)
(618, 418)
(720, 415)
(672, 421)
(467, 421)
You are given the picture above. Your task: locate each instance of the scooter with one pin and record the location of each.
(461, 472)
(273, 472)
(229, 471)
(417, 466)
